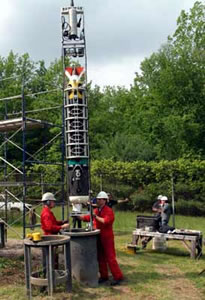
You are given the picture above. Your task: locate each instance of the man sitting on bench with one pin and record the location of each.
(163, 212)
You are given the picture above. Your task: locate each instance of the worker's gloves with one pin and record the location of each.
(65, 226)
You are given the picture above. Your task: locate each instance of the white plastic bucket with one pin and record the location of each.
(159, 243)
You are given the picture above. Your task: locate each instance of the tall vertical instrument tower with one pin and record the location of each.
(75, 103)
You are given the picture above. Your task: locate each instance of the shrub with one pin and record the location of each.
(145, 180)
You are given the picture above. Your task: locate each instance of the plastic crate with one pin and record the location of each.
(148, 221)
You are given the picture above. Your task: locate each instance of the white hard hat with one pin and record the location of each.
(159, 197)
(102, 195)
(164, 198)
(48, 196)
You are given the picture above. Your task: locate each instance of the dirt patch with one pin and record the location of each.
(12, 265)
(180, 287)
(11, 271)
(14, 249)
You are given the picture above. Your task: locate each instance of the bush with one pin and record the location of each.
(145, 180)
(190, 208)
(142, 202)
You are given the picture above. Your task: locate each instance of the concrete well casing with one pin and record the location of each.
(84, 264)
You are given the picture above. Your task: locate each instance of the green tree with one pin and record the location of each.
(170, 92)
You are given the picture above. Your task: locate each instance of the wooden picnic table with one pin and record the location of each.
(192, 239)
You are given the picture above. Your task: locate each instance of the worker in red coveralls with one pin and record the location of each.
(49, 224)
(103, 220)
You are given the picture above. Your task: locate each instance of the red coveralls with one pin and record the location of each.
(49, 224)
(106, 247)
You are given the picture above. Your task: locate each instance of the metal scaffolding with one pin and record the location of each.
(18, 180)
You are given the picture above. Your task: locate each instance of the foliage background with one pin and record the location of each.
(141, 138)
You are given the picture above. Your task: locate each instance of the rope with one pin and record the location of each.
(10, 227)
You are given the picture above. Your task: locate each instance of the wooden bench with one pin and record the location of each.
(192, 239)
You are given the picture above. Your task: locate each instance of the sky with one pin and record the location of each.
(120, 34)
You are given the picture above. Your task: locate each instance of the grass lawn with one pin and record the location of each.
(148, 274)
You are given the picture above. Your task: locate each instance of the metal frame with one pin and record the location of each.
(20, 126)
(75, 104)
